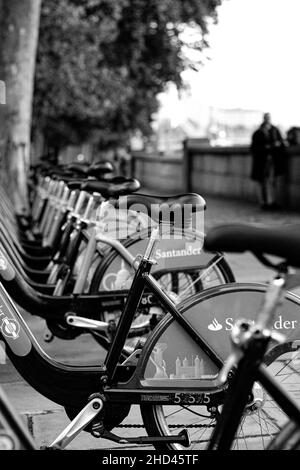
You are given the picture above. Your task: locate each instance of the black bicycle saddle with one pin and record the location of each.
(165, 209)
(283, 241)
(112, 188)
(100, 168)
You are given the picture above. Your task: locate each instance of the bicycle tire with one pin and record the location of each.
(186, 280)
(287, 439)
(222, 270)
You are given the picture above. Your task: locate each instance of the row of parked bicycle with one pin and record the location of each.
(97, 256)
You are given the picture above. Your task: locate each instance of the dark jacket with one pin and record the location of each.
(264, 144)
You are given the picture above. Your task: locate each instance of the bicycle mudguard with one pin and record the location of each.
(171, 358)
(64, 384)
(53, 307)
(27, 297)
(171, 254)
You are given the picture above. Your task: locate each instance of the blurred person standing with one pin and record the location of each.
(268, 161)
(122, 160)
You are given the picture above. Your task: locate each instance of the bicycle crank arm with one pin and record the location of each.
(181, 438)
(86, 323)
(90, 324)
(86, 415)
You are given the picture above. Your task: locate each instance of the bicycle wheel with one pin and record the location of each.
(262, 419)
(287, 439)
(183, 282)
(179, 284)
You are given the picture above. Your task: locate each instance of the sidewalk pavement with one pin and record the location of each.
(46, 419)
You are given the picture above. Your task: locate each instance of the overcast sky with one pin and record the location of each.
(255, 62)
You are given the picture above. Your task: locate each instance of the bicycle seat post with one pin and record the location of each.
(88, 209)
(152, 241)
(79, 203)
(72, 200)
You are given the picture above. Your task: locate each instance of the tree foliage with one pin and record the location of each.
(101, 63)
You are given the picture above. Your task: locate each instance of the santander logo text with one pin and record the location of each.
(279, 324)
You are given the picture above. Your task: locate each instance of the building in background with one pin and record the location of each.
(232, 126)
(214, 126)
(169, 138)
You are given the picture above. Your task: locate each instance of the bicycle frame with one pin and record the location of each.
(71, 386)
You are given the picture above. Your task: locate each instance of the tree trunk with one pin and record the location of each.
(19, 26)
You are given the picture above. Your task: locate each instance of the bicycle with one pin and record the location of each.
(97, 302)
(83, 235)
(80, 264)
(173, 376)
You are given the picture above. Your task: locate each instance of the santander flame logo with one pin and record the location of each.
(215, 325)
